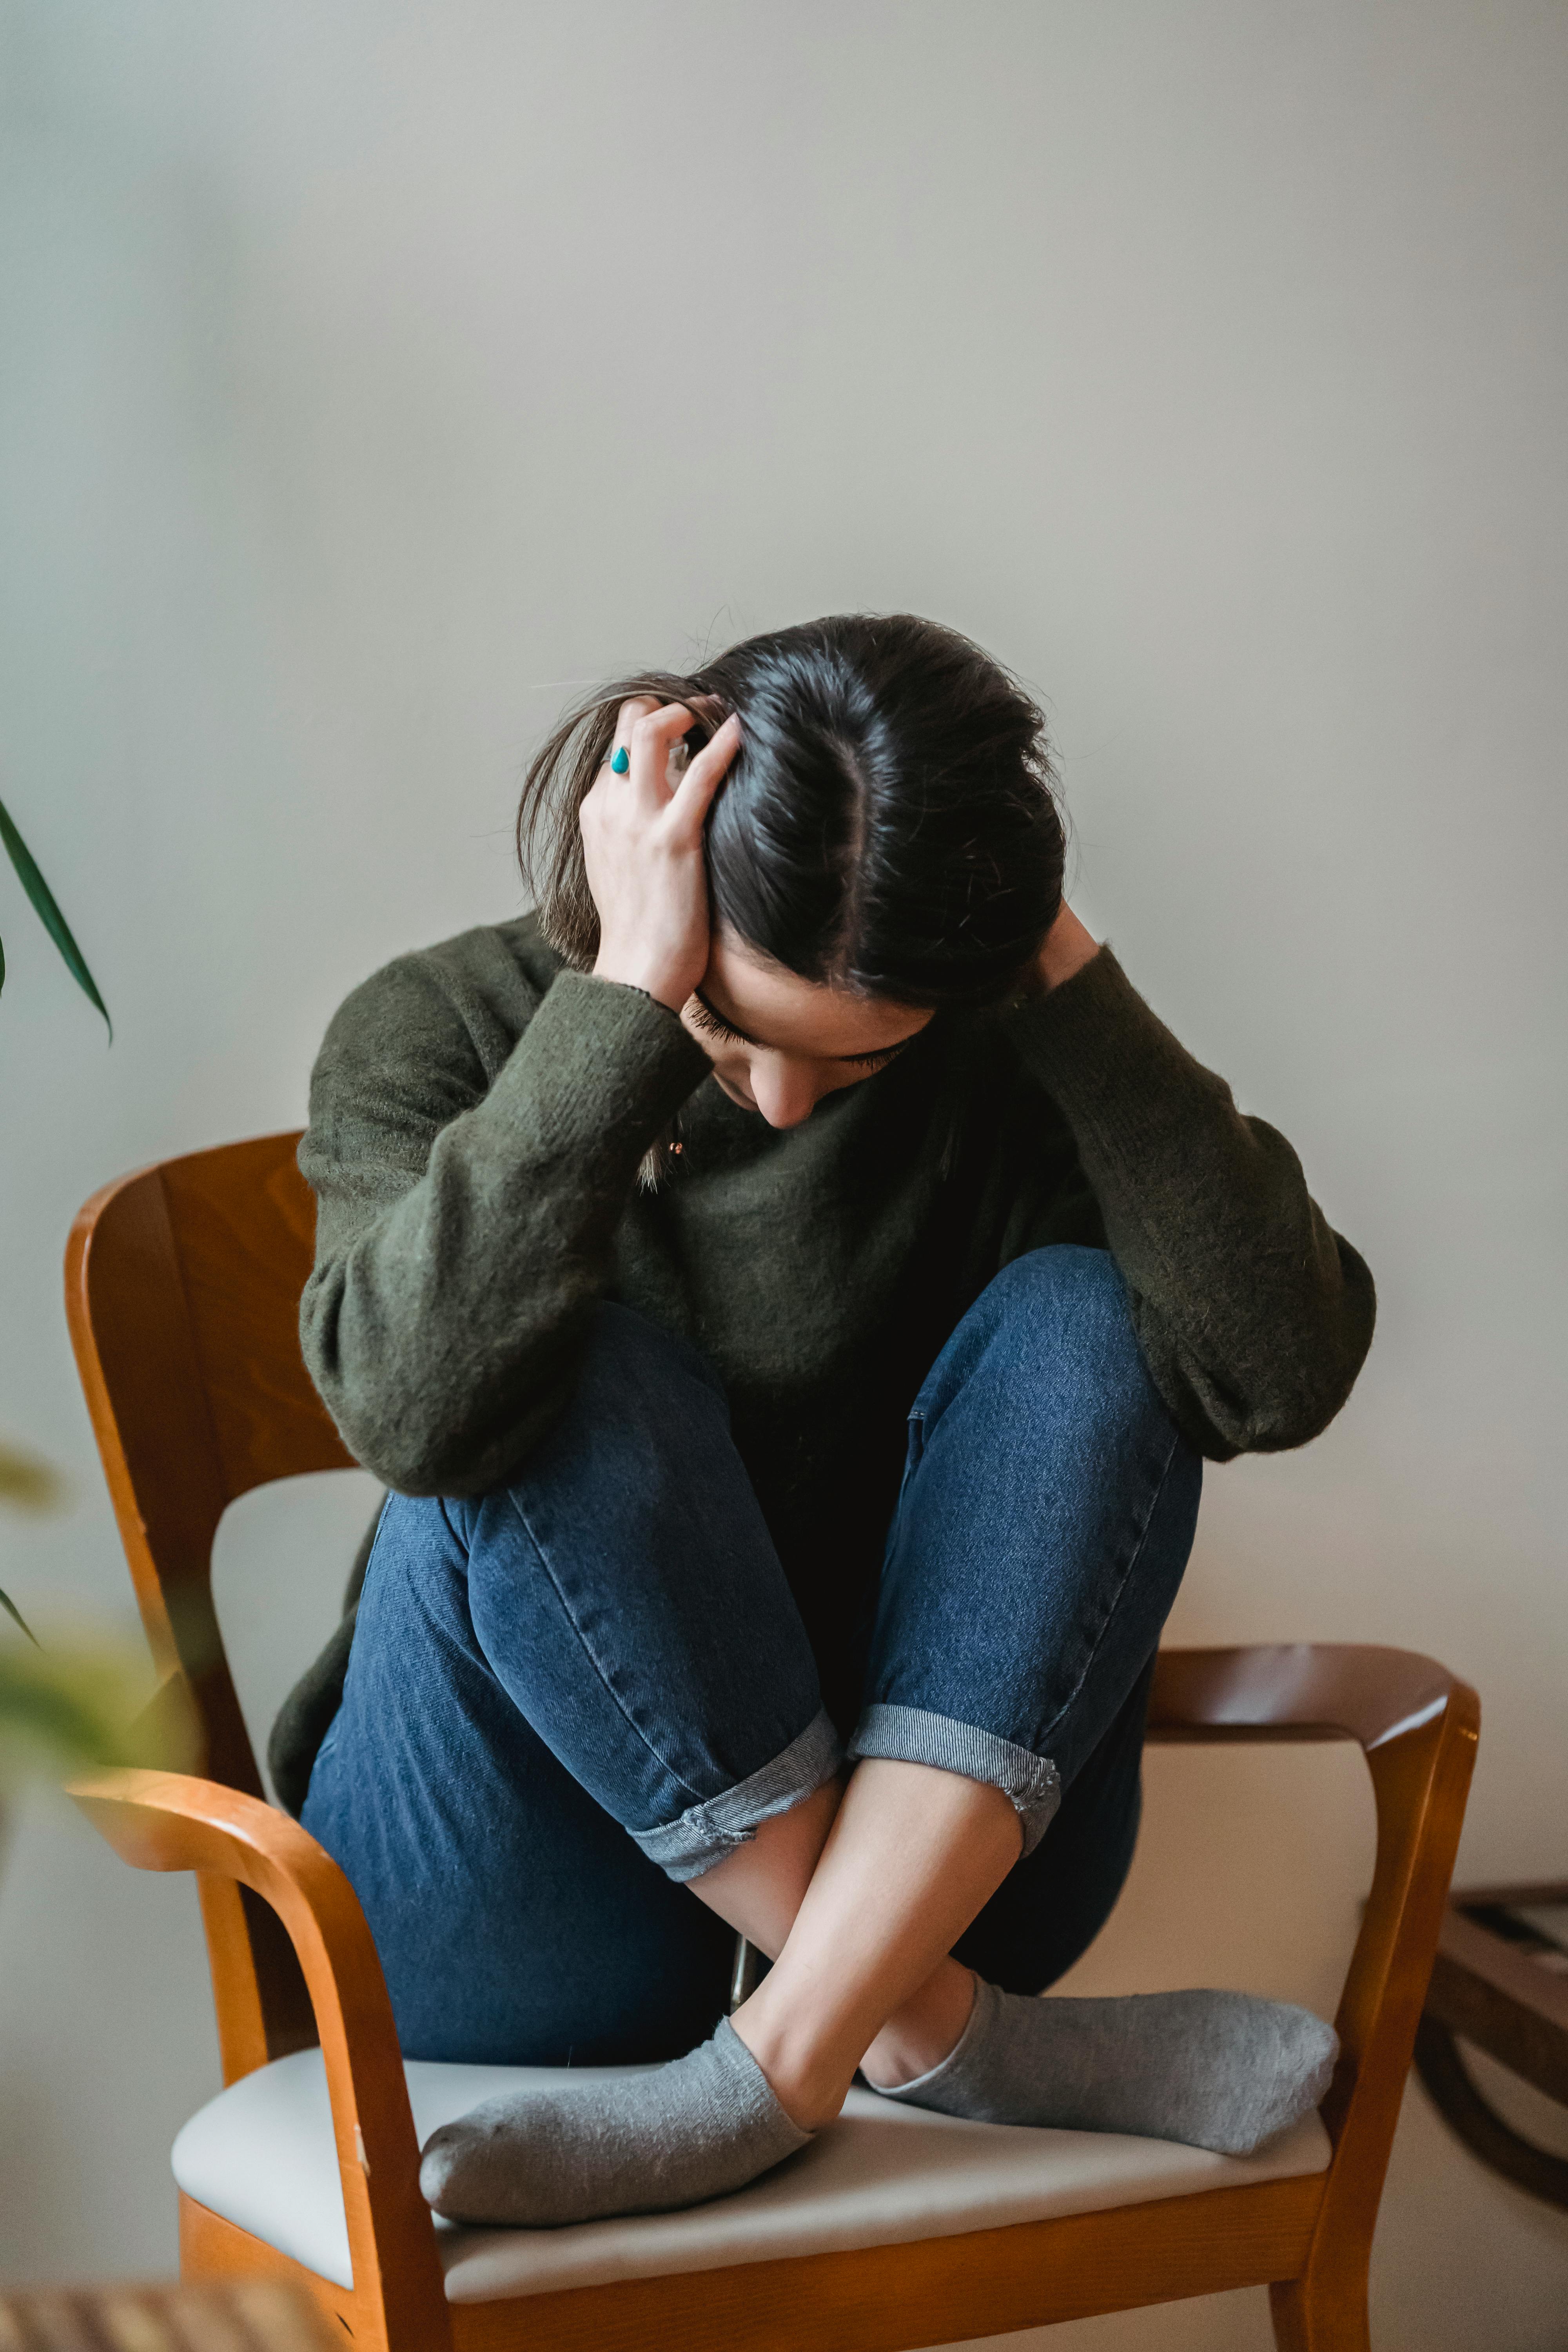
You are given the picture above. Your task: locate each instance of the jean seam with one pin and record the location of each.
(1157, 1488)
(591, 1655)
(1133, 1558)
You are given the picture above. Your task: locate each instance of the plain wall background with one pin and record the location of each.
(373, 374)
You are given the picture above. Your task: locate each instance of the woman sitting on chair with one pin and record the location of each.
(789, 1284)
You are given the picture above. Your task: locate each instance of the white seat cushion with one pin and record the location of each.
(262, 2155)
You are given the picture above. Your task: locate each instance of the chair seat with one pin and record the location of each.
(262, 2156)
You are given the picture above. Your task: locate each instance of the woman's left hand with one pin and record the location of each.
(1068, 948)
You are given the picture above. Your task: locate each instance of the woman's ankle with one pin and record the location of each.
(759, 1889)
(926, 2030)
(806, 2074)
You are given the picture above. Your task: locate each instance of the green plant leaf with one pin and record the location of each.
(49, 914)
(82, 1704)
(12, 1611)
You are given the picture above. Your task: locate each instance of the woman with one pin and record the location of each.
(788, 1283)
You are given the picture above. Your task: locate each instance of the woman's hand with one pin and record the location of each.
(1068, 948)
(642, 846)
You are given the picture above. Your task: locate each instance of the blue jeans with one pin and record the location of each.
(569, 1696)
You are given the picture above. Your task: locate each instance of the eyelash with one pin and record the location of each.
(705, 1018)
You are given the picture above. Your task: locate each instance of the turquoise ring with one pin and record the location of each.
(621, 762)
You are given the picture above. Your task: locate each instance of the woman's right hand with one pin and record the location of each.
(642, 847)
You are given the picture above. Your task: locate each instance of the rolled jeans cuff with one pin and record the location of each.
(908, 1735)
(705, 1834)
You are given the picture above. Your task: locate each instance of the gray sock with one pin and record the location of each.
(701, 2126)
(1218, 2069)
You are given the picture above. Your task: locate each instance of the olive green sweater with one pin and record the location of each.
(478, 1118)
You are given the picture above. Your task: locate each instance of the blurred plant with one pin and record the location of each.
(64, 1709)
(27, 1485)
(79, 1704)
(76, 1704)
(42, 899)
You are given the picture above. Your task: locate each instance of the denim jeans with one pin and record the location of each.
(570, 1696)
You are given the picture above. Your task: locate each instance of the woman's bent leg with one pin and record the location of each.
(1038, 1543)
(1045, 1523)
(1050, 1907)
(957, 1778)
(1045, 1519)
(564, 1696)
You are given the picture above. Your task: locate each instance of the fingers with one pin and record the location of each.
(707, 773)
(627, 717)
(652, 735)
(650, 732)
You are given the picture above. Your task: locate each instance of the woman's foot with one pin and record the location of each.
(698, 2127)
(1217, 2070)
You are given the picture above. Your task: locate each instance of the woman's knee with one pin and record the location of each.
(644, 1406)
(1072, 1292)
(1053, 1330)
(633, 1367)
(1044, 1387)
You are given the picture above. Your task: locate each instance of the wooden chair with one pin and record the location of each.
(182, 1284)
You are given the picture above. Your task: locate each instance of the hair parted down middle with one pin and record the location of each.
(890, 824)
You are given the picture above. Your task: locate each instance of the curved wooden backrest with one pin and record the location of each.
(182, 1289)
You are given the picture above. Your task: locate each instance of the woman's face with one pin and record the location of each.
(778, 1042)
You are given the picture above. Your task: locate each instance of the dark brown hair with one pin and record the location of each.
(890, 824)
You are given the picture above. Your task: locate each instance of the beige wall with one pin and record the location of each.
(374, 373)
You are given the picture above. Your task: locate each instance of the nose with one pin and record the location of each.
(784, 1091)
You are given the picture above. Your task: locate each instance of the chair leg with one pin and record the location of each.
(1324, 2311)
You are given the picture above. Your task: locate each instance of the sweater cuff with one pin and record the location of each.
(1108, 1061)
(600, 1067)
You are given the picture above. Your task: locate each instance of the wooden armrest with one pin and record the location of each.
(1300, 1690)
(168, 1821)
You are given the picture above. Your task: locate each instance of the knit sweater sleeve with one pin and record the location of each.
(1255, 1316)
(465, 1228)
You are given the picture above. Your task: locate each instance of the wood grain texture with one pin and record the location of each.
(183, 1286)
(143, 1383)
(876, 2299)
(244, 1224)
(212, 2248)
(935, 2291)
(1297, 1690)
(261, 2316)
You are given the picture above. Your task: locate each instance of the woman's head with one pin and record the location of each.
(887, 830)
(888, 826)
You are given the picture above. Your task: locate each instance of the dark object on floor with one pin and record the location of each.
(1500, 1979)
